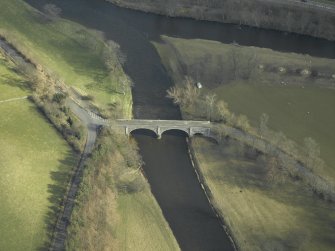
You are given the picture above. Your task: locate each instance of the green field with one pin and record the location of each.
(139, 212)
(12, 85)
(263, 216)
(300, 110)
(62, 47)
(35, 163)
(115, 208)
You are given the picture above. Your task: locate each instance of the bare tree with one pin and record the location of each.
(51, 11)
(191, 93)
(210, 101)
(290, 146)
(171, 6)
(289, 164)
(231, 119)
(263, 125)
(222, 110)
(243, 123)
(186, 95)
(109, 55)
(312, 154)
(275, 173)
(251, 61)
(175, 94)
(221, 131)
(234, 65)
(122, 57)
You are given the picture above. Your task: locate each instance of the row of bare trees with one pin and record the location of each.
(283, 158)
(47, 95)
(111, 170)
(287, 16)
(204, 106)
(235, 64)
(108, 50)
(198, 105)
(284, 155)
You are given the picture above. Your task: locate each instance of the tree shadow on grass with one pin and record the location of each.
(247, 173)
(231, 166)
(57, 193)
(15, 82)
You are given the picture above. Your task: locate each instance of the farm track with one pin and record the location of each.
(60, 233)
(13, 99)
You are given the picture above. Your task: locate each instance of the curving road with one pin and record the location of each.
(59, 237)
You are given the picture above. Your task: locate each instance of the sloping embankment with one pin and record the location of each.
(309, 18)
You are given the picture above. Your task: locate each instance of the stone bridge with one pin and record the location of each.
(160, 126)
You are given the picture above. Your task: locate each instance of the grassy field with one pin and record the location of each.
(63, 47)
(299, 113)
(12, 84)
(210, 62)
(299, 110)
(35, 163)
(115, 209)
(263, 216)
(139, 212)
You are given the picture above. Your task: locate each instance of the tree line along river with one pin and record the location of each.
(168, 167)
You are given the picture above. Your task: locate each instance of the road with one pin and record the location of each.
(58, 242)
(165, 123)
(59, 237)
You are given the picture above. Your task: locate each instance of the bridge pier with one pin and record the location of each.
(158, 132)
(127, 130)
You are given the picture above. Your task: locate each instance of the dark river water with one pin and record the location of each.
(168, 167)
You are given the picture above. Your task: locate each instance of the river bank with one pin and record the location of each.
(252, 80)
(260, 214)
(157, 230)
(36, 164)
(167, 164)
(132, 30)
(288, 16)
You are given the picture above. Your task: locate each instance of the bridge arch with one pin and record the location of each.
(158, 127)
(151, 131)
(198, 134)
(175, 129)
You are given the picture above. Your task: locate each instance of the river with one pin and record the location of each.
(167, 164)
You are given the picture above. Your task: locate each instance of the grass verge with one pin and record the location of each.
(61, 50)
(12, 84)
(35, 166)
(115, 209)
(295, 103)
(261, 215)
(68, 51)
